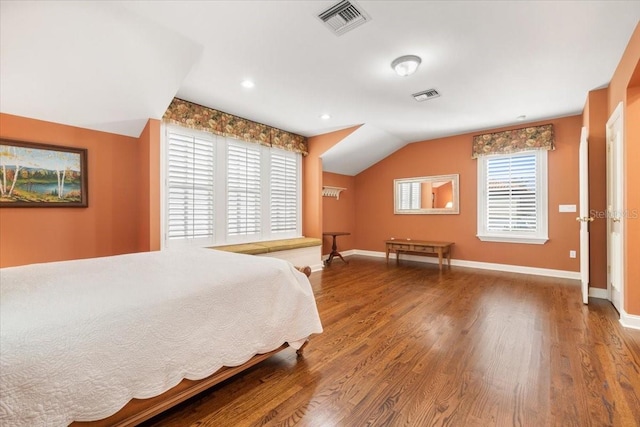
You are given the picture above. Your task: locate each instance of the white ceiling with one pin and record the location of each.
(112, 65)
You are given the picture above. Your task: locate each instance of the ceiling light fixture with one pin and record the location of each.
(325, 116)
(406, 65)
(521, 118)
(247, 84)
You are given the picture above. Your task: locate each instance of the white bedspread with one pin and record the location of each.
(79, 339)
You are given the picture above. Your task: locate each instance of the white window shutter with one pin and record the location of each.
(511, 194)
(189, 172)
(244, 190)
(513, 198)
(284, 192)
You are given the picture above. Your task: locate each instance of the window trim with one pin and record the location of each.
(541, 236)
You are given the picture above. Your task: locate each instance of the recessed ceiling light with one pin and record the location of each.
(521, 118)
(247, 84)
(325, 116)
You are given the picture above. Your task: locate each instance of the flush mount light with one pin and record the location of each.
(247, 84)
(521, 118)
(325, 116)
(406, 65)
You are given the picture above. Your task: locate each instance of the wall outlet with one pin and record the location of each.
(566, 208)
(572, 254)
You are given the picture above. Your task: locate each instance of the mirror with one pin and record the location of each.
(426, 195)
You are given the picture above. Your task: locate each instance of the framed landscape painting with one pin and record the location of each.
(39, 175)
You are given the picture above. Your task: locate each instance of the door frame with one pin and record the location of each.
(614, 215)
(584, 219)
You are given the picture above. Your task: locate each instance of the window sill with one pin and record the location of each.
(530, 240)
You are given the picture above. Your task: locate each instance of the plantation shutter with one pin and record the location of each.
(244, 189)
(511, 193)
(190, 187)
(284, 192)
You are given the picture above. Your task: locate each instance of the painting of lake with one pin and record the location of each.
(41, 175)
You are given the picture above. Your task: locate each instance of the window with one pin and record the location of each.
(221, 190)
(512, 197)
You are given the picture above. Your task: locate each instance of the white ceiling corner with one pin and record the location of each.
(360, 149)
(94, 65)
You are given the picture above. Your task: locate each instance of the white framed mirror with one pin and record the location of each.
(437, 194)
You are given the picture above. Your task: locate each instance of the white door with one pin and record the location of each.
(584, 217)
(615, 209)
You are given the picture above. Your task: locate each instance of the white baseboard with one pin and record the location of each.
(598, 293)
(316, 267)
(369, 253)
(629, 320)
(481, 265)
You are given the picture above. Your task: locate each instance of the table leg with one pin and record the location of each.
(334, 253)
(440, 258)
(387, 254)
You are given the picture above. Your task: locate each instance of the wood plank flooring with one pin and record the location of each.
(409, 345)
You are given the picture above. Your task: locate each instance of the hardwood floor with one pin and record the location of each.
(412, 346)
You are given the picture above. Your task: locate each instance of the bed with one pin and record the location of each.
(80, 339)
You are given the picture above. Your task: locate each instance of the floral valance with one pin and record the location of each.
(511, 141)
(194, 116)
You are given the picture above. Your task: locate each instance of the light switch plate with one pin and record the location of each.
(567, 208)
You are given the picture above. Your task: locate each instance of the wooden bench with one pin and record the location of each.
(269, 248)
(420, 247)
(258, 248)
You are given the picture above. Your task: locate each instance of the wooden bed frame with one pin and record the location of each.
(139, 410)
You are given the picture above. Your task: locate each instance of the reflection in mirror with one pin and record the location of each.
(427, 195)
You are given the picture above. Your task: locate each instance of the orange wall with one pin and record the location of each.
(107, 227)
(312, 180)
(624, 88)
(595, 119)
(339, 214)
(374, 201)
(149, 232)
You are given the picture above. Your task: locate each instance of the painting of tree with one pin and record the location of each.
(42, 175)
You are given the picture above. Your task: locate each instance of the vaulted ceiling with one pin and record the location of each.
(112, 65)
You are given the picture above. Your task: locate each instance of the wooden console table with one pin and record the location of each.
(420, 247)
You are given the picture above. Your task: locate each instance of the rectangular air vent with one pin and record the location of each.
(344, 16)
(426, 94)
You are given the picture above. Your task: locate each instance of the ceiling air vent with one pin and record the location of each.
(344, 16)
(426, 94)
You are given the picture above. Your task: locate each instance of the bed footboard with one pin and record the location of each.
(306, 270)
(139, 410)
